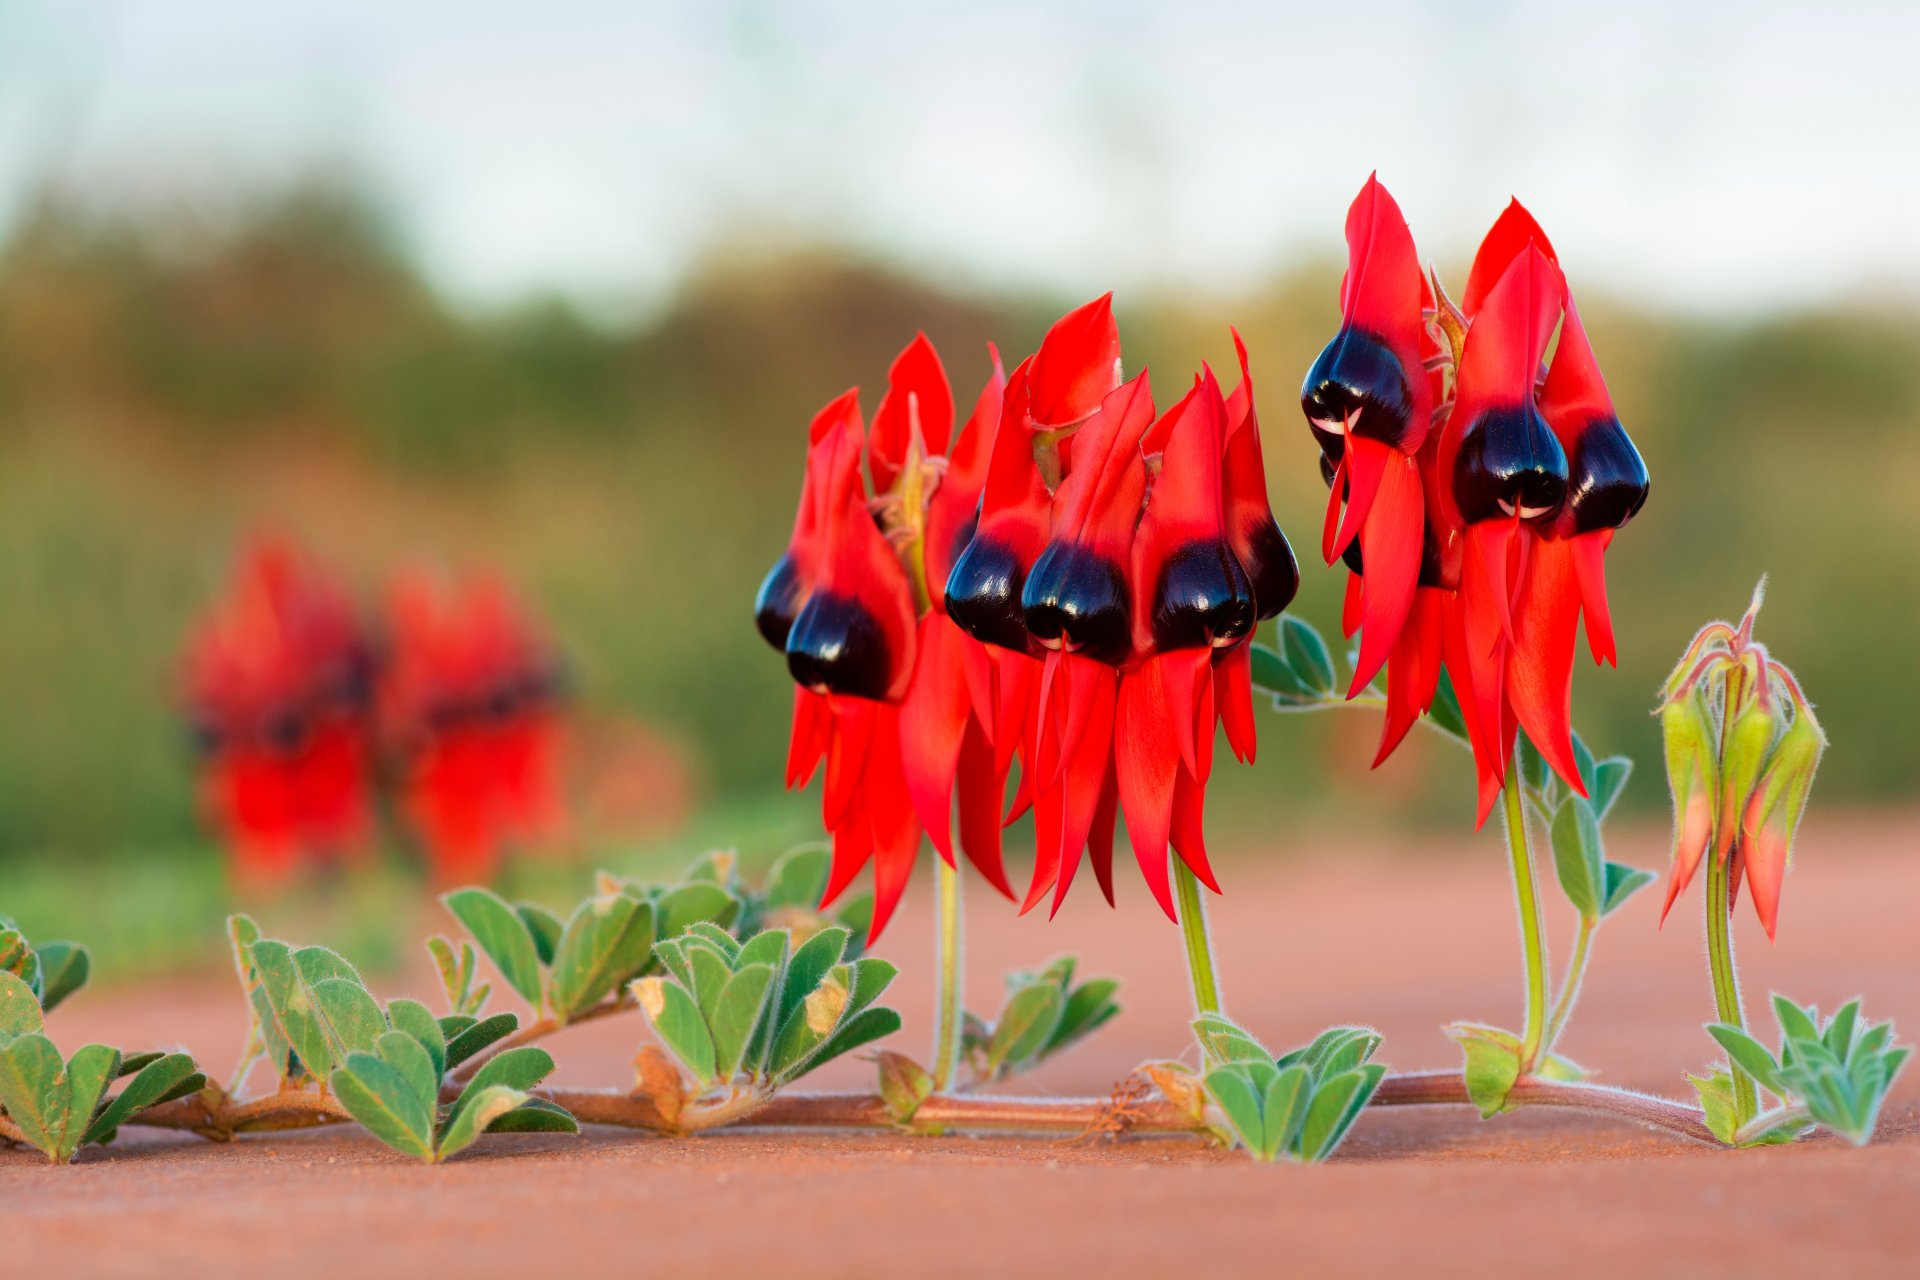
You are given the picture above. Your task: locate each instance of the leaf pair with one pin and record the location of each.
(393, 1089)
(763, 1009)
(568, 967)
(1493, 1065)
(1299, 673)
(59, 1106)
(1299, 1106)
(1835, 1074)
(52, 971)
(1044, 1013)
(1596, 887)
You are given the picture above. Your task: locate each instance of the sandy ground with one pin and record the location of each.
(1338, 934)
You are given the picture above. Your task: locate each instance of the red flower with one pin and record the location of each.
(470, 703)
(1485, 564)
(899, 702)
(1133, 557)
(276, 682)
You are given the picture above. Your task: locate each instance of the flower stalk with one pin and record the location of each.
(1199, 945)
(950, 1003)
(1532, 936)
(1726, 979)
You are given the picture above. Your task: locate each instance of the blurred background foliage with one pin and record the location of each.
(164, 388)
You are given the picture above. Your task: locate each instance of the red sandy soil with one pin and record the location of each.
(1332, 933)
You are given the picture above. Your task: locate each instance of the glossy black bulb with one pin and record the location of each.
(1271, 568)
(1203, 598)
(1607, 479)
(778, 603)
(1077, 600)
(1510, 463)
(837, 646)
(1360, 382)
(983, 594)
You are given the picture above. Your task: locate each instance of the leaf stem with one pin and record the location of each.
(538, 1029)
(1193, 931)
(950, 1005)
(1726, 979)
(1527, 898)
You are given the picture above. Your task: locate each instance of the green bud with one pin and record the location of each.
(1750, 733)
(1773, 812)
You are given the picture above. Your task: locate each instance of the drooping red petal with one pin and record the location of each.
(896, 833)
(1413, 674)
(933, 721)
(1351, 605)
(1233, 693)
(1087, 760)
(1146, 758)
(1390, 547)
(1540, 669)
(980, 790)
(1383, 292)
(1589, 561)
(1100, 837)
(812, 731)
(853, 724)
(919, 401)
(1252, 532)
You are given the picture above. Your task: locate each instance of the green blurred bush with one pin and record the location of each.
(163, 388)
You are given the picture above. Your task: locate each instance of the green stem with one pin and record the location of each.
(1193, 930)
(1531, 937)
(951, 1007)
(1570, 985)
(1726, 979)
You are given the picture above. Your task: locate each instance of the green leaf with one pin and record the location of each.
(1274, 675)
(384, 1102)
(34, 1090)
(768, 947)
(1337, 1103)
(503, 935)
(1232, 1091)
(706, 931)
(518, 1069)
(1609, 780)
(904, 1085)
(1533, 766)
(1223, 1041)
(1025, 1026)
(861, 1029)
(1838, 1037)
(64, 967)
(156, 1082)
(20, 1013)
(1089, 1007)
(1795, 1023)
(410, 1058)
(1717, 1103)
(809, 966)
(1283, 1111)
(414, 1018)
(349, 1014)
(1577, 855)
(676, 1020)
(292, 1014)
(682, 907)
(1493, 1065)
(536, 1115)
(134, 1062)
(799, 878)
(736, 1014)
(606, 944)
(710, 975)
(1748, 1054)
(482, 1112)
(478, 1036)
(89, 1071)
(543, 926)
(1622, 882)
(1307, 654)
(1583, 766)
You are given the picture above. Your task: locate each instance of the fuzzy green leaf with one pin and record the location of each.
(1284, 1108)
(1232, 1091)
(479, 1035)
(33, 1089)
(1493, 1065)
(543, 926)
(681, 908)
(1622, 882)
(90, 1070)
(414, 1018)
(1748, 1054)
(64, 968)
(1609, 781)
(1025, 1026)
(156, 1082)
(607, 943)
(1307, 654)
(536, 1115)
(711, 973)
(350, 1015)
(482, 1112)
(861, 1029)
(735, 1016)
(383, 1100)
(1578, 858)
(1275, 676)
(808, 967)
(503, 935)
(406, 1055)
(20, 1013)
(1337, 1103)
(799, 878)
(1795, 1023)
(1715, 1091)
(1089, 1007)
(518, 1069)
(1223, 1041)
(676, 1020)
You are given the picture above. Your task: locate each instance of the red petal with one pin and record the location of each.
(1413, 674)
(1589, 562)
(896, 833)
(1506, 240)
(956, 501)
(933, 719)
(1088, 756)
(918, 401)
(1351, 605)
(980, 790)
(1540, 668)
(1146, 758)
(812, 731)
(1384, 290)
(1100, 839)
(1189, 840)
(1077, 365)
(1233, 693)
(1390, 546)
(853, 720)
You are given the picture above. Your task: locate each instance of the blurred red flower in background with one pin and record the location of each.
(277, 685)
(469, 702)
(1474, 487)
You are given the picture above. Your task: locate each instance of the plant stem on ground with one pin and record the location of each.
(950, 1006)
(1532, 938)
(1570, 984)
(1193, 931)
(1726, 980)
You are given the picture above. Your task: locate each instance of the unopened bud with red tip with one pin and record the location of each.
(1774, 809)
(1693, 773)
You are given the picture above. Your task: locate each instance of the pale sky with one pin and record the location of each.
(1701, 155)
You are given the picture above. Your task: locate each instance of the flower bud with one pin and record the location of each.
(1773, 812)
(1753, 723)
(1686, 725)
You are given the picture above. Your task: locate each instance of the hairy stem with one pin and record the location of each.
(1570, 984)
(950, 1006)
(1193, 931)
(1532, 937)
(538, 1029)
(1726, 979)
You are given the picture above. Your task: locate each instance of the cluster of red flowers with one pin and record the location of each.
(1475, 485)
(294, 701)
(1071, 585)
